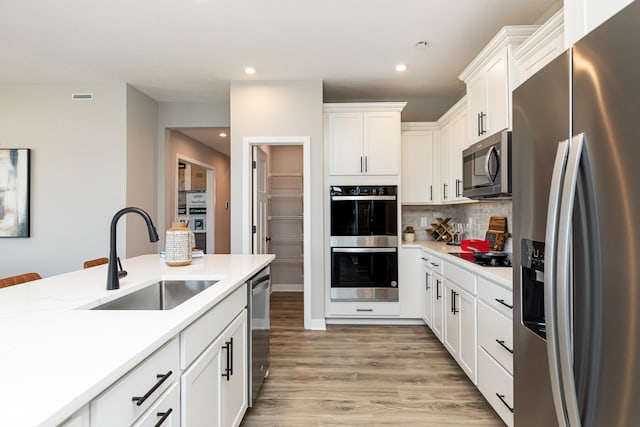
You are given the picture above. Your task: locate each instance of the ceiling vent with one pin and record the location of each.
(82, 96)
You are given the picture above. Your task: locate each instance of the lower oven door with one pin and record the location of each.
(364, 274)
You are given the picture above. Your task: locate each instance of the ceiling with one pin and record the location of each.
(189, 50)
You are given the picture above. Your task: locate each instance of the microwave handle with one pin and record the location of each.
(491, 175)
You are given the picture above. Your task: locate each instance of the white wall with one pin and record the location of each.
(77, 172)
(182, 144)
(281, 108)
(142, 125)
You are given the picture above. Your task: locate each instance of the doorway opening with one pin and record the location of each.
(196, 200)
(276, 204)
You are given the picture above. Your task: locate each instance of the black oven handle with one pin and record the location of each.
(348, 198)
(363, 250)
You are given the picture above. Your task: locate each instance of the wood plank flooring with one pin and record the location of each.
(361, 376)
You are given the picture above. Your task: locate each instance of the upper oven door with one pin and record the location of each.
(364, 216)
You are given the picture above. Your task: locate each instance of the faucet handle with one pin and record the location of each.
(121, 272)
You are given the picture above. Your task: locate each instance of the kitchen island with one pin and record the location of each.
(57, 355)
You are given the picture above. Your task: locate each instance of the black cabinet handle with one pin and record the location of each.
(501, 397)
(431, 192)
(454, 309)
(231, 355)
(501, 342)
(164, 416)
(162, 378)
(501, 301)
(366, 163)
(482, 129)
(364, 309)
(424, 259)
(437, 289)
(227, 370)
(444, 191)
(361, 165)
(458, 192)
(434, 264)
(426, 281)
(478, 124)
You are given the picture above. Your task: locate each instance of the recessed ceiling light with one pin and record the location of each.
(422, 44)
(401, 67)
(222, 134)
(249, 70)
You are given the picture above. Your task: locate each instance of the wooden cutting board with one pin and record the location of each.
(498, 224)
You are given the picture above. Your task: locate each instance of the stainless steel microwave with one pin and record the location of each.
(486, 168)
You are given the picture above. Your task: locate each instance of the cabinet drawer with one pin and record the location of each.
(461, 277)
(364, 309)
(432, 262)
(496, 297)
(492, 328)
(195, 338)
(496, 385)
(167, 409)
(116, 407)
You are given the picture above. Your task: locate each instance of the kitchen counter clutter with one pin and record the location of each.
(57, 355)
(499, 275)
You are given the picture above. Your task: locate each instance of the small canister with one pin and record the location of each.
(178, 245)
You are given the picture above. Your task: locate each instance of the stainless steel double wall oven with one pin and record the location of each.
(364, 243)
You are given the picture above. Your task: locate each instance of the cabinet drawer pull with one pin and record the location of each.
(431, 193)
(437, 289)
(426, 281)
(501, 342)
(501, 301)
(434, 264)
(164, 416)
(501, 397)
(227, 370)
(162, 378)
(424, 259)
(364, 309)
(454, 309)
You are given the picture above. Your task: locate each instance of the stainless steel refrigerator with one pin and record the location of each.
(576, 212)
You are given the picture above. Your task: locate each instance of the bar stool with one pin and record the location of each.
(16, 280)
(94, 262)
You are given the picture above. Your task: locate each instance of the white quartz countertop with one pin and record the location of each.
(500, 275)
(56, 355)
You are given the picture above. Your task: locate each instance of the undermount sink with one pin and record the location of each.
(163, 295)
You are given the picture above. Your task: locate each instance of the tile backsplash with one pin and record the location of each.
(474, 215)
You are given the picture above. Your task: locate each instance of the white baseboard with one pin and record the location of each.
(284, 287)
(370, 321)
(318, 325)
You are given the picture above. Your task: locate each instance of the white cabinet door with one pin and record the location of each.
(345, 143)
(498, 95)
(417, 167)
(437, 325)
(201, 388)
(468, 334)
(382, 143)
(234, 385)
(476, 104)
(444, 183)
(410, 282)
(451, 320)
(427, 296)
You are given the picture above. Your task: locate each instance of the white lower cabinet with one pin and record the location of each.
(198, 378)
(496, 385)
(214, 387)
(165, 411)
(133, 394)
(451, 320)
(460, 327)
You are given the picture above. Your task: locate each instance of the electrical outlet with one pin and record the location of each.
(423, 221)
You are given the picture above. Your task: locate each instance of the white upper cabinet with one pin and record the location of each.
(542, 47)
(418, 166)
(582, 16)
(490, 78)
(363, 138)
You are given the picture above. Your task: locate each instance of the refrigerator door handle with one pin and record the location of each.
(563, 285)
(550, 304)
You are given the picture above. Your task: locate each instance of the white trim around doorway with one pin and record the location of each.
(305, 141)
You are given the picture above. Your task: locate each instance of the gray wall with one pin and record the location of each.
(278, 108)
(77, 172)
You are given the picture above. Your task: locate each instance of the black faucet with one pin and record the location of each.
(114, 273)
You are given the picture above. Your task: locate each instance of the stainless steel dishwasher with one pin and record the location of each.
(259, 290)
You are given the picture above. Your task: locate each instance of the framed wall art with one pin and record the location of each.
(14, 192)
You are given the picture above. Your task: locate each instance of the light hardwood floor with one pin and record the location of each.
(361, 376)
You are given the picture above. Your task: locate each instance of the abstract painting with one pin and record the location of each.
(14, 192)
